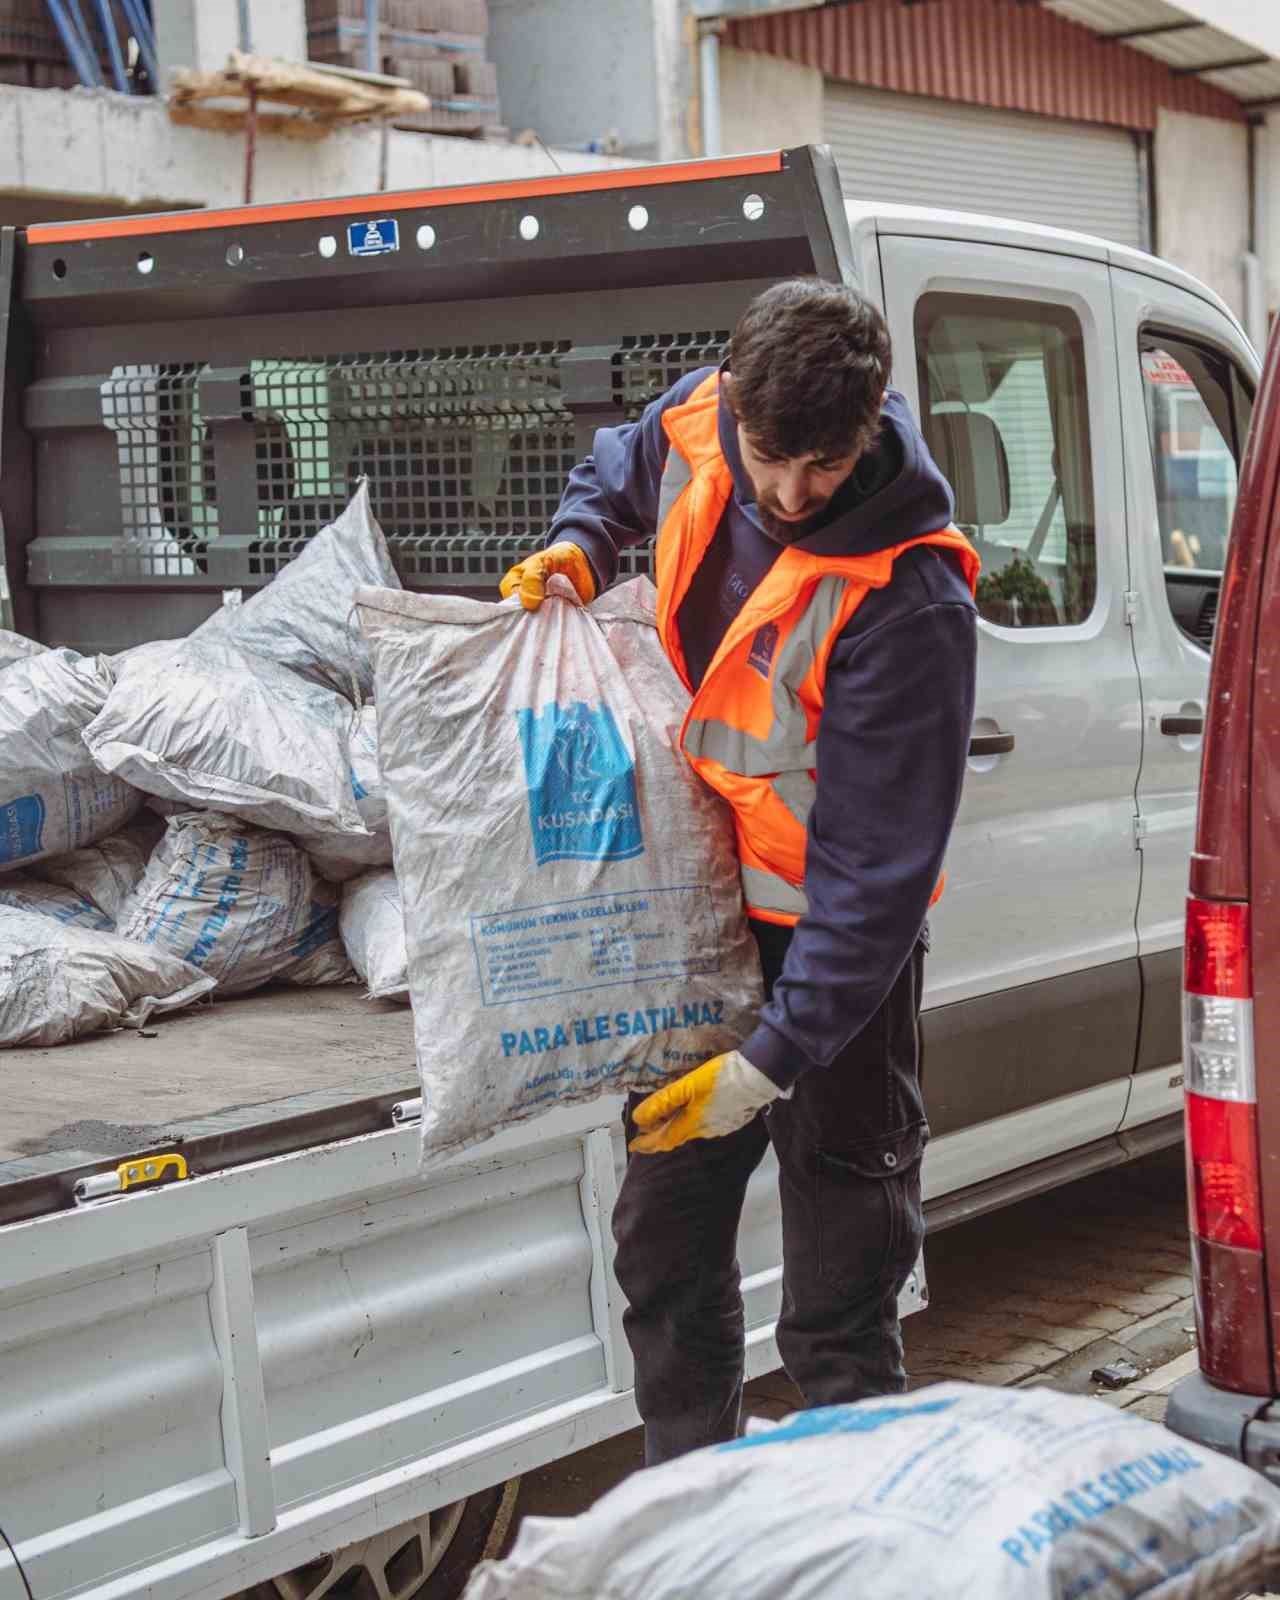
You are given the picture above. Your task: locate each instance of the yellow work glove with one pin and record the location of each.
(719, 1097)
(529, 577)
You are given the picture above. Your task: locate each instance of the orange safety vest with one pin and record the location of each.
(750, 729)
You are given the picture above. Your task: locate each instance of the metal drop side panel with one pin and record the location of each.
(212, 1383)
(916, 151)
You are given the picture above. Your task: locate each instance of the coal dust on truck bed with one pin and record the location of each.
(223, 1083)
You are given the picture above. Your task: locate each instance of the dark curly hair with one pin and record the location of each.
(809, 362)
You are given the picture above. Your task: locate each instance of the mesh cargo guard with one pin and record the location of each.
(189, 397)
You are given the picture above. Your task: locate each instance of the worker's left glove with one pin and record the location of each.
(719, 1097)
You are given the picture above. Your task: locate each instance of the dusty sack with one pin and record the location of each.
(242, 904)
(23, 891)
(53, 797)
(17, 647)
(104, 874)
(303, 618)
(371, 922)
(571, 893)
(1006, 1494)
(58, 982)
(341, 859)
(202, 723)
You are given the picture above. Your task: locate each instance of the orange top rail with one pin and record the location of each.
(403, 200)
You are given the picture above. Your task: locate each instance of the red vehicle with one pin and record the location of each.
(1231, 989)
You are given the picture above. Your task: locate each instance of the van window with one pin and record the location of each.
(1005, 412)
(1198, 409)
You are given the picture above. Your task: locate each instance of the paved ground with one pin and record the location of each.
(1045, 1292)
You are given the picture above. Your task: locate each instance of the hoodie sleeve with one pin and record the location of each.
(611, 499)
(891, 752)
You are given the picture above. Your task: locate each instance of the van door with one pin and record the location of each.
(1187, 378)
(1008, 356)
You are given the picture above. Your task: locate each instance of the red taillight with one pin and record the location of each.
(1222, 1139)
(1222, 1147)
(1216, 956)
(1217, 1048)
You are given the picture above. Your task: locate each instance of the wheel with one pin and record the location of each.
(430, 1558)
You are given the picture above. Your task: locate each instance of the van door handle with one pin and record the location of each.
(1182, 727)
(990, 744)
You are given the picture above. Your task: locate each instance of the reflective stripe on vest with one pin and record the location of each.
(766, 891)
(676, 476)
(752, 723)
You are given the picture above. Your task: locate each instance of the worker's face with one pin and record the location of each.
(791, 492)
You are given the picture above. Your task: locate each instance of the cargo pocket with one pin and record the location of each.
(870, 1223)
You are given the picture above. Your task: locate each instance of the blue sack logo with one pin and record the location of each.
(582, 785)
(21, 828)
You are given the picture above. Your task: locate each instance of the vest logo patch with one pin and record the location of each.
(762, 648)
(582, 785)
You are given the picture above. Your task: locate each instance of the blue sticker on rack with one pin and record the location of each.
(377, 237)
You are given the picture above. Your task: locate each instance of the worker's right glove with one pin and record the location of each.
(528, 578)
(719, 1097)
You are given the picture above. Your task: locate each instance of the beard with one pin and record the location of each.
(785, 532)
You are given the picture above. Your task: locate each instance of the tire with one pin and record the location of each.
(430, 1558)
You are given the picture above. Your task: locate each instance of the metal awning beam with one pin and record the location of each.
(1125, 34)
(1220, 66)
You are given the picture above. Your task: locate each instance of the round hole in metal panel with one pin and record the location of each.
(328, 246)
(530, 228)
(426, 236)
(59, 268)
(638, 218)
(753, 207)
(146, 262)
(235, 254)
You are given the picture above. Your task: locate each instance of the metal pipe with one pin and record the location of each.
(709, 87)
(107, 18)
(246, 31)
(1255, 277)
(372, 55)
(86, 42)
(1255, 302)
(71, 43)
(250, 143)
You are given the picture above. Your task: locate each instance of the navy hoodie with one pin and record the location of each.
(896, 717)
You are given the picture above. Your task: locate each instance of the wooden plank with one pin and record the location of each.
(293, 84)
(222, 120)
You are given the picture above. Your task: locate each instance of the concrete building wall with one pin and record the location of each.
(108, 151)
(1202, 199)
(767, 103)
(576, 71)
(202, 33)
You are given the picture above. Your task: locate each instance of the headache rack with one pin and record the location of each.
(190, 397)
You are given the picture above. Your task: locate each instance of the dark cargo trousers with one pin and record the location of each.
(849, 1144)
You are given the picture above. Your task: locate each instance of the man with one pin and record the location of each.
(819, 607)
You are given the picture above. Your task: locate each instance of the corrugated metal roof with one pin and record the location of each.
(1181, 39)
(1020, 57)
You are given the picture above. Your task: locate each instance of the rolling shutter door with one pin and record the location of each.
(904, 148)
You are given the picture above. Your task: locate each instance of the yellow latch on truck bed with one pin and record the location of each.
(135, 1174)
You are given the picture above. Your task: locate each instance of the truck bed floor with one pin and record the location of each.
(219, 1077)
